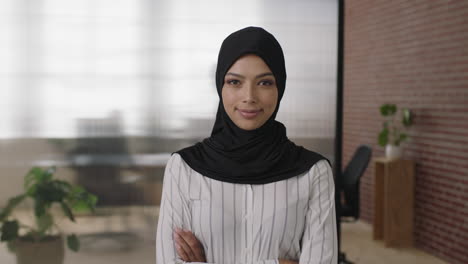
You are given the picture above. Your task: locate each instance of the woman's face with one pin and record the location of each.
(249, 92)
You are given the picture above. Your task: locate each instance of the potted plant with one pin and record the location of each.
(43, 241)
(392, 134)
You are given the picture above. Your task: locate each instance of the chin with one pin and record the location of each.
(248, 126)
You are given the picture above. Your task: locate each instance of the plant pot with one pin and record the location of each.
(393, 152)
(49, 251)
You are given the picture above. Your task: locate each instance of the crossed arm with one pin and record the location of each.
(190, 249)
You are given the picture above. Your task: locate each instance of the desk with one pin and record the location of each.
(107, 176)
(394, 202)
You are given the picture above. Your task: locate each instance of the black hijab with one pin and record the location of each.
(258, 156)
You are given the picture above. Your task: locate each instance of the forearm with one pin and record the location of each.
(286, 261)
(269, 261)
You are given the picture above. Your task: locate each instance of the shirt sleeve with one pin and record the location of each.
(173, 210)
(319, 240)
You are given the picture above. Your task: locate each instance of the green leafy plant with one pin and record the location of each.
(392, 130)
(45, 192)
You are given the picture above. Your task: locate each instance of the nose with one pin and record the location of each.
(249, 95)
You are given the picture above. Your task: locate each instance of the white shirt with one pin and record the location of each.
(243, 223)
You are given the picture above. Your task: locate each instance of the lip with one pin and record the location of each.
(249, 113)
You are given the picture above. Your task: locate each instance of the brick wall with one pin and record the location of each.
(414, 53)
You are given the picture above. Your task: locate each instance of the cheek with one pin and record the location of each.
(271, 100)
(228, 97)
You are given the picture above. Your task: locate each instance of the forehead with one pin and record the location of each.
(249, 63)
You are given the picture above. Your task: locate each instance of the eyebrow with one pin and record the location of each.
(256, 77)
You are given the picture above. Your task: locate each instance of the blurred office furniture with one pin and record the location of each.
(349, 191)
(125, 185)
(351, 181)
(102, 138)
(105, 166)
(394, 201)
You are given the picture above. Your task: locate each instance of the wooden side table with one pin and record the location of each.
(394, 202)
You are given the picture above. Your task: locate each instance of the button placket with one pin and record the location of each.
(248, 221)
(250, 215)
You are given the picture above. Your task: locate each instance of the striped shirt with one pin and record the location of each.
(243, 223)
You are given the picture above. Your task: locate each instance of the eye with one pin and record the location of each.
(233, 82)
(266, 83)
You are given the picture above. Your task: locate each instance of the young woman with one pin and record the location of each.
(247, 194)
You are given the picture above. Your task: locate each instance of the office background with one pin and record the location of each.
(414, 53)
(103, 88)
(83, 77)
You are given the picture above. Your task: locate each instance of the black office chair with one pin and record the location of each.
(350, 182)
